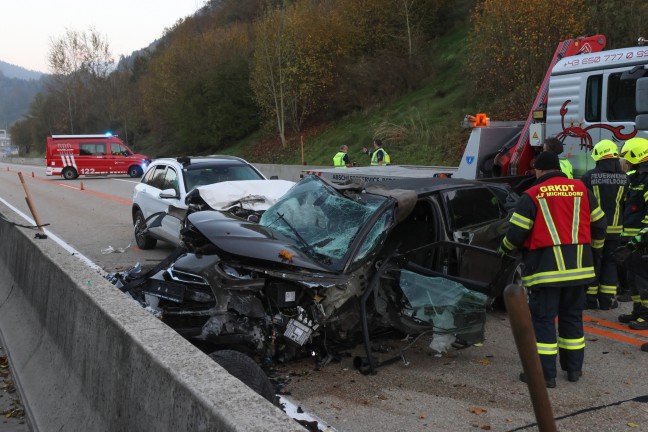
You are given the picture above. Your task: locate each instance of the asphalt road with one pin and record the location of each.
(471, 389)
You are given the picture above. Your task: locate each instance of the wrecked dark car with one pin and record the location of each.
(329, 266)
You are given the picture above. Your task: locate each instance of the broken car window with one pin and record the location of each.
(326, 220)
(446, 305)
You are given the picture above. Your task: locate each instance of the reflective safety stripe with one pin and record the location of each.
(508, 245)
(571, 344)
(645, 196)
(558, 276)
(596, 214)
(560, 261)
(644, 303)
(546, 214)
(521, 221)
(576, 220)
(608, 289)
(614, 229)
(636, 298)
(592, 290)
(598, 243)
(579, 255)
(617, 209)
(630, 232)
(547, 349)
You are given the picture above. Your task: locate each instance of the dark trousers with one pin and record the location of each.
(639, 282)
(607, 273)
(567, 304)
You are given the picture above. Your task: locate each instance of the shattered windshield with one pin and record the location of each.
(320, 221)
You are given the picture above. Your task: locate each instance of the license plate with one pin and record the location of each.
(166, 290)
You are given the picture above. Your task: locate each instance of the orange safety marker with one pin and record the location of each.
(81, 186)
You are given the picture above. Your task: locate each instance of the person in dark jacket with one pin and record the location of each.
(635, 228)
(557, 223)
(609, 184)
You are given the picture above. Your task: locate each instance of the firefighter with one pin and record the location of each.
(556, 146)
(623, 290)
(559, 226)
(635, 228)
(379, 156)
(609, 183)
(341, 158)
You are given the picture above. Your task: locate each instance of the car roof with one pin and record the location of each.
(195, 160)
(429, 186)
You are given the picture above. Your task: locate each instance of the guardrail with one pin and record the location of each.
(86, 357)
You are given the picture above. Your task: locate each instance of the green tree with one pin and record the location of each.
(513, 42)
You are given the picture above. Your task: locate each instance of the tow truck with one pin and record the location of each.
(587, 95)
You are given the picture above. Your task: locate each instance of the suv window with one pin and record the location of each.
(155, 177)
(171, 180)
(204, 174)
(473, 206)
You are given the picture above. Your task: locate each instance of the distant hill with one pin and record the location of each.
(13, 71)
(18, 86)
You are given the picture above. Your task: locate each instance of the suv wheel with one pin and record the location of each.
(143, 240)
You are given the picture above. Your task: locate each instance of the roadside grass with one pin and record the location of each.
(422, 127)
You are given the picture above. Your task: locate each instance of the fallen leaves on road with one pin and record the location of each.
(485, 361)
(477, 410)
(633, 425)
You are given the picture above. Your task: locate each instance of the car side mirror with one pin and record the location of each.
(169, 193)
(274, 177)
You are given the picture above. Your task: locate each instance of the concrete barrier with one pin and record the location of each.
(283, 172)
(88, 358)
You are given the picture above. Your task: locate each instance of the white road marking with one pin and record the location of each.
(128, 181)
(84, 259)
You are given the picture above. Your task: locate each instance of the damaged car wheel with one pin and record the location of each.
(247, 371)
(144, 241)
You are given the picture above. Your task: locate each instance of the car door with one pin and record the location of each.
(118, 162)
(171, 222)
(474, 215)
(149, 201)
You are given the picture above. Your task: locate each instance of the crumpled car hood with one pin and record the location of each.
(249, 240)
(251, 194)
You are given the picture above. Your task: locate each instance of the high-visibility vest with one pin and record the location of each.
(338, 160)
(563, 215)
(567, 168)
(374, 157)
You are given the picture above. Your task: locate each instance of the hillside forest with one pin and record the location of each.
(264, 79)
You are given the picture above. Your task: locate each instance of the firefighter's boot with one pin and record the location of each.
(640, 323)
(628, 318)
(607, 302)
(591, 301)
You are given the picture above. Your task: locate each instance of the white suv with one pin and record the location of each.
(166, 184)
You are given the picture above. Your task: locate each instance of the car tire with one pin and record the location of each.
(143, 240)
(69, 173)
(135, 171)
(247, 371)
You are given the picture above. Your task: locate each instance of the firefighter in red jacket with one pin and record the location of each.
(560, 228)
